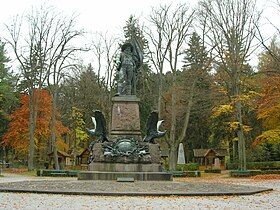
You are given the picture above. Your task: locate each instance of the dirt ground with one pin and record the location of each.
(267, 200)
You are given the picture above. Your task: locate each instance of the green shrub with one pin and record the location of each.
(18, 165)
(165, 163)
(196, 173)
(256, 165)
(177, 173)
(192, 173)
(238, 173)
(180, 167)
(213, 170)
(260, 172)
(187, 167)
(192, 166)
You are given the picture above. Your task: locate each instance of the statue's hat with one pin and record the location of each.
(126, 45)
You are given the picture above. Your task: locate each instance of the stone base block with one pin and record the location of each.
(154, 155)
(121, 167)
(125, 121)
(140, 176)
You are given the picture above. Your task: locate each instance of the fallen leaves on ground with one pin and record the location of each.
(266, 177)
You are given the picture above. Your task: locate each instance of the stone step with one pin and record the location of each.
(141, 176)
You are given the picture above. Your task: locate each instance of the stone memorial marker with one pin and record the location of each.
(217, 163)
(181, 155)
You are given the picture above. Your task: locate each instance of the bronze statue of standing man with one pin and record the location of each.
(130, 61)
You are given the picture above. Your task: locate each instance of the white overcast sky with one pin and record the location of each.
(93, 15)
(103, 15)
(109, 15)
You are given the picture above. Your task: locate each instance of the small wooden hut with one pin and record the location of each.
(210, 158)
(82, 159)
(64, 159)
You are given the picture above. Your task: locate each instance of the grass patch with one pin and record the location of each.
(20, 171)
(28, 173)
(214, 175)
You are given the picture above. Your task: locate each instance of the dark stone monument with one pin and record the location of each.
(124, 153)
(125, 121)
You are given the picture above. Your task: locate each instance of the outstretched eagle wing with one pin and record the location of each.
(153, 128)
(100, 129)
(100, 123)
(152, 123)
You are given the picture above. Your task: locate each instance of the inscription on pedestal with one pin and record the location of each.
(125, 117)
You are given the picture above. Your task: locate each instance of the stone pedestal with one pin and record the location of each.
(141, 176)
(125, 155)
(125, 121)
(125, 167)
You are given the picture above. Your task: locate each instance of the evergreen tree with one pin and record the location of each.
(7, 82)
(196, 55)
(132, 31)
(8, 98)
(199, 92)
(86, 93)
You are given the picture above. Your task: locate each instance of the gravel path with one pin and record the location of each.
(268, 200)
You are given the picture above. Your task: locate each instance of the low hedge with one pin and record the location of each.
(238, 173)
(247, 173)
(187, 167)
(177, 173)
(196, 173)
(66, 173)
(270, 165)
(218, 171)
(263, 172)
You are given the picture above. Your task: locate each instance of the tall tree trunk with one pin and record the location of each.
(174, 146)
(235, 151)
(187, 116)
(188, 113)
(75, 148)
(159, 93)
(98, 70)
(31, 141)
(172, 161)
(231, 150)
(241, 139)
(53, 133)
(33, 108)
(4, 154)
(240, 132)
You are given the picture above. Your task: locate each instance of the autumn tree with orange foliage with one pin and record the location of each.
(17, 135)
(269, 104)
